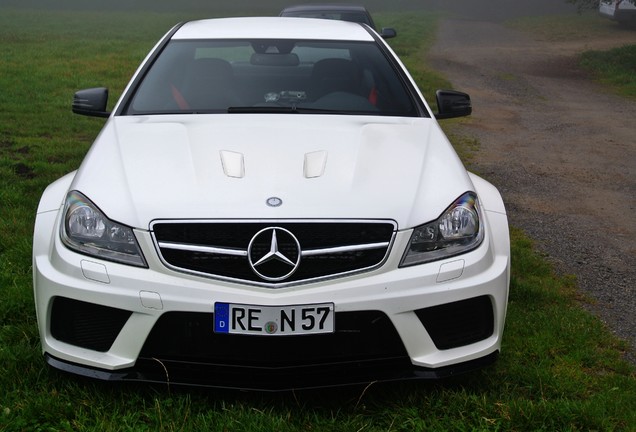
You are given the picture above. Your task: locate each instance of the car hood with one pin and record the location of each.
(146, 168)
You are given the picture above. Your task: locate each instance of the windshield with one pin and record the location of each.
(299, 76)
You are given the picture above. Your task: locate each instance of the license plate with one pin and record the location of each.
(273, 320)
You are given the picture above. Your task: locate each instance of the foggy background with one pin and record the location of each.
(477, 9)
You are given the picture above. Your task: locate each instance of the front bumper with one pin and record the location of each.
(115, 322)
(154, 372)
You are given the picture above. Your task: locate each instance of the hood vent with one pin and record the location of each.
(233, 164)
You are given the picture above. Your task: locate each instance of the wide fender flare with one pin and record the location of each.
(489, 196)
(54, 195)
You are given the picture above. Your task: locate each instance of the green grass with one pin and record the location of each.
(615, 68)
(560, 369)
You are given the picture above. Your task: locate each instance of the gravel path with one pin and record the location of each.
(560, 148)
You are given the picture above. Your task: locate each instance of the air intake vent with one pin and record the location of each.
(86, 325)
(460, 323)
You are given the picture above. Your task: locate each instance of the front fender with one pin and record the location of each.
(489, 196)
(55, 193)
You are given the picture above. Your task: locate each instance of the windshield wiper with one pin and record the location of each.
(279, 110)
(262, 110)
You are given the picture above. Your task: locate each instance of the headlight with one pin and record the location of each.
(87, 230)
(457, 230)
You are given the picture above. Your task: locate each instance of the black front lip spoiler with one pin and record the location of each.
(153, 371)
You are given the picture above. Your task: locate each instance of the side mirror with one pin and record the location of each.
(451, 104)
(388, 33)
(91, 102)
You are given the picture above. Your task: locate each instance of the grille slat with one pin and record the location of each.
(219, 249)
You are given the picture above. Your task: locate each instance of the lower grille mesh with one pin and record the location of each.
(189, 337)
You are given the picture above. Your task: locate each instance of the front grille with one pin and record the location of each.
(188, 337)
(86, 325)
(460, 323)
(273, 253)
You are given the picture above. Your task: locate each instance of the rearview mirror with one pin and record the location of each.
(91, 102)
(388, 33)
(271, 59)
(451, 104)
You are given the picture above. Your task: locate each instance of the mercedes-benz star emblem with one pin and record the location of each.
(274, 202)
(274, 254)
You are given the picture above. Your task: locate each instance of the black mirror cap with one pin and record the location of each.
(91, 102)
(388, 33)
(451, 104)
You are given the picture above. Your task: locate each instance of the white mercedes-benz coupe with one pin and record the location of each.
(271, 205)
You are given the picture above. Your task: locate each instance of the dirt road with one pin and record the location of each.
(560, 148)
